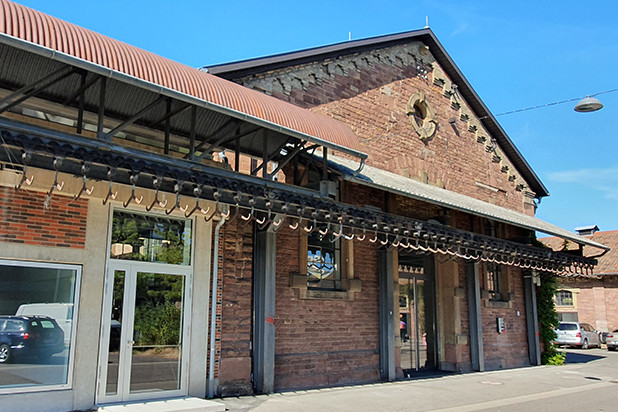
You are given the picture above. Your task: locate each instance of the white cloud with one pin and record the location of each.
(604, 180)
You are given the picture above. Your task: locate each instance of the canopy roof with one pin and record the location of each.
(44, 44)
(404, 186)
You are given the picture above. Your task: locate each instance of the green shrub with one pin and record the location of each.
(548, 320)
(557, 358)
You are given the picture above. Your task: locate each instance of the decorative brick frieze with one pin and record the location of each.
(370, 91)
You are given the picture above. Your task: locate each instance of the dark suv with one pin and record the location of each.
(38, 336)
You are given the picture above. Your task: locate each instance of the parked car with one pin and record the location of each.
(611, 339)
(62, 313)
(578, 334)
(27, 336)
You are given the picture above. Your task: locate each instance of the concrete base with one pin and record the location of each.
(167, 405)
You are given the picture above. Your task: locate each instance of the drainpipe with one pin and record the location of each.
(213, 311)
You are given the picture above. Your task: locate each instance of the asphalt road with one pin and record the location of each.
(588, 381)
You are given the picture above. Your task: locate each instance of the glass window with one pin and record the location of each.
(36, 323)
(494, 286)
(150, 238)
(323, 257)
(564, 298)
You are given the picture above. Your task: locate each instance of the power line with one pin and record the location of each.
(549, 104)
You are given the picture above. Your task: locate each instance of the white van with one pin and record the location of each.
(61, 312)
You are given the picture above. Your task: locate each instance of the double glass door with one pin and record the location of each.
(416, 322)
(144, 332)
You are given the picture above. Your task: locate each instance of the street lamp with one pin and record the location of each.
(588, 104)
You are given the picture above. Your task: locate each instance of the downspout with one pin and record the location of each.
(213, 311)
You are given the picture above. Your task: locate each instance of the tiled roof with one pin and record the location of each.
(41, 29)
(608, 264)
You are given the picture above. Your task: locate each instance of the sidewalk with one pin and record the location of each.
(459, 392)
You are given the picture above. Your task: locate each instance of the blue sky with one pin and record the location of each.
(515, 55)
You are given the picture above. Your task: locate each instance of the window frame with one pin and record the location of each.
(494, 283)
(70, 366)
(560, 299)
(337, 260)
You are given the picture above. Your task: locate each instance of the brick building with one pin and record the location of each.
(590, 299)
(189, 236)
(439, 156)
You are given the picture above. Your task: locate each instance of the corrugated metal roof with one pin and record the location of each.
(43, 30)
(404, 186)
(242, 68)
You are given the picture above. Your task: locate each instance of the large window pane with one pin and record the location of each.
(150, 238)
(36, 322)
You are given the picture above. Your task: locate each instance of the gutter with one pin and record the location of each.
(213, 310)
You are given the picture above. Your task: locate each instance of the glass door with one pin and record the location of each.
(416, 323)
(144, 332)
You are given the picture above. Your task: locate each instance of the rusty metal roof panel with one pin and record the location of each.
(43, 30)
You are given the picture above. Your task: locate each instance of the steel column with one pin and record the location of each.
(532, 322)
(100, 130)
(474, 310)
(264, 270)
(387, 310)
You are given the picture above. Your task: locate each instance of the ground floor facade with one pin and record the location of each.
(126, 288)
(136, 285)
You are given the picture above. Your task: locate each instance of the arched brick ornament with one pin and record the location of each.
(421, 116)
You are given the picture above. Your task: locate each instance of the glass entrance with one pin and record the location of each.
(416, 323)
(144, 332)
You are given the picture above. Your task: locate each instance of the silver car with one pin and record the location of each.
(612, 340)
(578, 334)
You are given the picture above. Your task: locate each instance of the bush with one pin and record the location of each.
(557, 358)
(157, 324)
(548, 320)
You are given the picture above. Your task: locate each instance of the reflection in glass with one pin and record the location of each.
(111, 387)
(322, 257)
(36, 322)
(150, 238)
(157, 335)
(416, 324)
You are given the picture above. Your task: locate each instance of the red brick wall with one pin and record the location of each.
(509, 349)
(25, 220)
(328, 342)
(236, 308)
(325, 342)
(369, 91)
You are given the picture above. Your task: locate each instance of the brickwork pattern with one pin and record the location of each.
(369, 91)
(25, 220)
(325, 342)
(236, 308)
(509, 349)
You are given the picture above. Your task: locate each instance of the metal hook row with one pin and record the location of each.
(55, 186)
(406, 235)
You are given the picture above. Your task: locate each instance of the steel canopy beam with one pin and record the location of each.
(298, 205)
